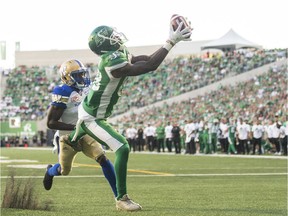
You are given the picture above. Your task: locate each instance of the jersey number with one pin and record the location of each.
(96, 82)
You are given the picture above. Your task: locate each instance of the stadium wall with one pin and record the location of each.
(56, 57)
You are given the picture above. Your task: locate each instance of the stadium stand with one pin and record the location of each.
(260, 96)
(26, 89)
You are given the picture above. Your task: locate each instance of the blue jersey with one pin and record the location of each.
(68, 98)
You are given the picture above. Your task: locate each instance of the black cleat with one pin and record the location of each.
(48, 180)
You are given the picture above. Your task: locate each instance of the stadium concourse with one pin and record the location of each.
(261, 96)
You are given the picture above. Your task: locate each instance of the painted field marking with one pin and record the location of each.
(170, 175)
(18, 161)
(129, 170)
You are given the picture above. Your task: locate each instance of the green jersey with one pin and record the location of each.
(232, 131)
(105, 89)
(160, 131)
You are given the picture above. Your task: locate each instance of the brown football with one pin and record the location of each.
(176, 20)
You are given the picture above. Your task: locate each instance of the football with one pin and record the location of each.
(176, 20)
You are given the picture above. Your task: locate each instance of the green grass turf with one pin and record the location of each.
(163, 184)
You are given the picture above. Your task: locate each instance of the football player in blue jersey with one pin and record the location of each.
(115, 66)
(62, 116)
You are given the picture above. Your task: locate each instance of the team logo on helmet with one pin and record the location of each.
(104, 39)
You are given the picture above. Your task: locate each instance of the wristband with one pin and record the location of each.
(171, 42)
(168, 46)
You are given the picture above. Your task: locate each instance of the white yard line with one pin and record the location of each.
(281, 157)
(166, 175)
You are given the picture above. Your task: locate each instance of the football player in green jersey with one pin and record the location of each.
(232, 136)
(115, 66)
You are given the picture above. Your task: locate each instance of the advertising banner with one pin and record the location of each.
(15, 127)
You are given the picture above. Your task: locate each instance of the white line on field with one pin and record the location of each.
(167, 175)
(281, 157)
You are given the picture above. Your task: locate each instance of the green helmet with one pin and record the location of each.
(104, 39)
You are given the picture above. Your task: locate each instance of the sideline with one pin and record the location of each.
(281, 157)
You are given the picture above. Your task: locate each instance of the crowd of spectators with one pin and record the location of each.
(27, 88)
(262, 97)
(26, 93)
(183, 74)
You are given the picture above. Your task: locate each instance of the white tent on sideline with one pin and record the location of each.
(230, 41)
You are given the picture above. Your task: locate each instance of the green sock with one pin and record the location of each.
(120, 165)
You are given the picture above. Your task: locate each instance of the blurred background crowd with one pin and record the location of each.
(27, 94)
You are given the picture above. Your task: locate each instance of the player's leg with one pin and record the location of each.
(168, 144)
(277, 145)
(162, 145)
(130, 143)
(284, 145)
(259, 146)
(201, 142)
(134, 144)
(158, 144)
(206, 149)
(105, 134)
(207, 143)
(91, 148)
(138, 144)
(231, 148)
(254, 142)
(66, 157)
(214, 143)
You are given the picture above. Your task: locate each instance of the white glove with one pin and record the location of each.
(55, 148)
(180, 35)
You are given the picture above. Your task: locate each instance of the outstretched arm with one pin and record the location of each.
(144, 64)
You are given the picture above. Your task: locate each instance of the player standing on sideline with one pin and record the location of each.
(150, 134)
(257, 134)
(243, 131)
(232, 136)
(131, 135)
(214, 129)
(168, 136)
(284, 141)
(188, 130)
(160, 132)
(140, 139)
(115, 66)
(62, 117)
(176, 130)
(223, 138)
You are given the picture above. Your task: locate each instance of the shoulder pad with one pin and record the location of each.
(61, 94)
(63, 90)
(115, 58)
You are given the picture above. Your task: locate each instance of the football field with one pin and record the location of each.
(164, 184)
